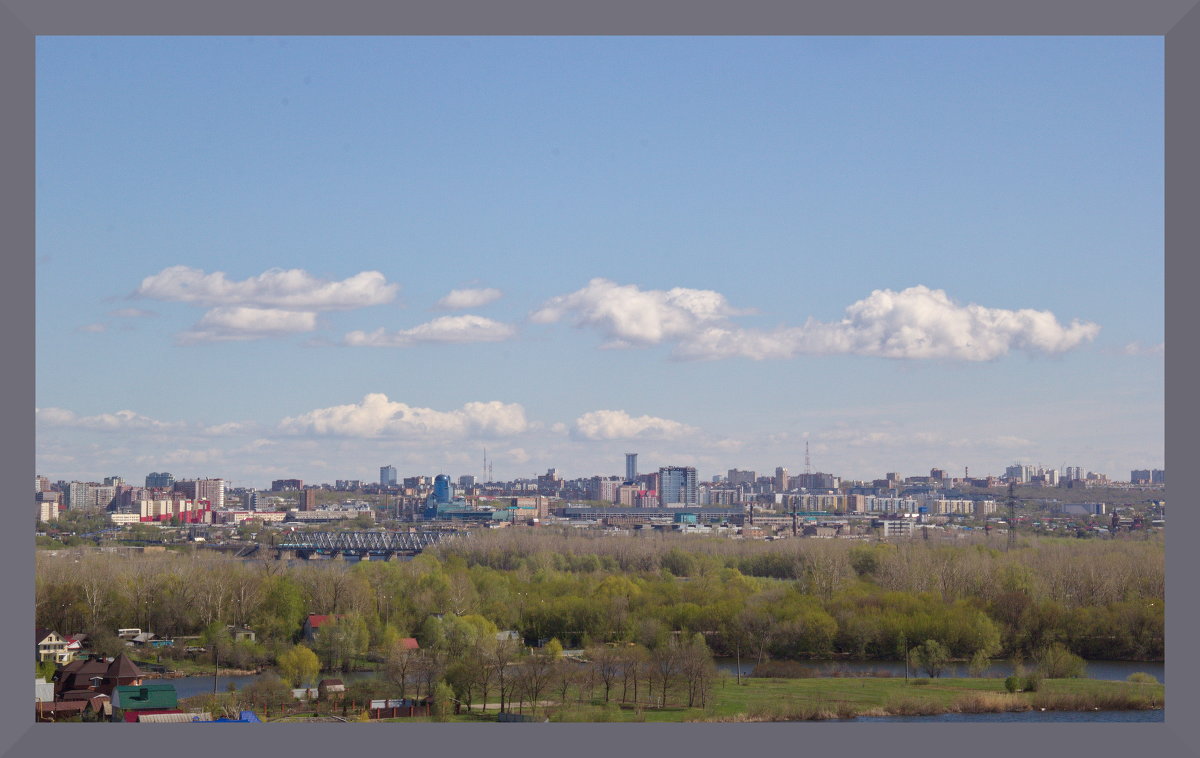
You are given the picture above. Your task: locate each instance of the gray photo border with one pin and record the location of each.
(22, 20)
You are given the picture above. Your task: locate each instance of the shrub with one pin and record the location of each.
(1012, 683)
(1141, 677)
(1057, 662)
(1033, 682)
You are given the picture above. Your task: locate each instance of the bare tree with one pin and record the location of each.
(606, 663)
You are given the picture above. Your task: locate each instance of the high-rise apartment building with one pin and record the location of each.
(160, 480)
(75, 495)
(631, 467)
(781, 479)
(308, 500)
(212, 490)
(735, 477)
(677, 484)
(387, 476)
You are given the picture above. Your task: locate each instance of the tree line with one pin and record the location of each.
(785, 600)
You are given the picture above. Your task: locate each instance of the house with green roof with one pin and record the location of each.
(131, 701)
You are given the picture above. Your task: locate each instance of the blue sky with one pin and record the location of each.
(667, 230)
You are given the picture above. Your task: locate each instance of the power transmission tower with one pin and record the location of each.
(1012, 517)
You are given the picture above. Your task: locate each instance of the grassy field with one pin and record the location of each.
(825, 698)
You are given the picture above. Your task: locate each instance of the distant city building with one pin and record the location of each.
(160, 480)
(308, 500)
(212, 490)
(466, 481)
(1148, 476)
(631, 471)
(550, 483)
(817, 481)
(781, 479)
(736, 477)
(416, 482)
(287, 485)
(348, 485)
(937, 474)
(41, 484)
(443, 490)
(677, 484)
(75, 495)
(387, 476)
(113, 481)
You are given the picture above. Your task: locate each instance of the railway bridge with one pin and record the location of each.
(338, 545)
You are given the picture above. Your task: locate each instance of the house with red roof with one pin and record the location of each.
(314, 622)
(81, 680)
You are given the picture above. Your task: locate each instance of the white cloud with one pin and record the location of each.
(631, 316)
(619, 425)
(94, 328)
(377, 416)
(227, 428)
(469, 298)
(274, 288)
(121, 420)
(466, 328)
(914, 323)
(242, 323)
(132, 313)
(1137, 348)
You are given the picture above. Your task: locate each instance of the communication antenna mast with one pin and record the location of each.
(1012, 517)
(807, 461)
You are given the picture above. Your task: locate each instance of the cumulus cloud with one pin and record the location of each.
(466, 328)
(628, 315)
(274, 288)
(619, 425)
(121, 420)
(915, 323)
(243, 323)
(377, 416)
(469, 298)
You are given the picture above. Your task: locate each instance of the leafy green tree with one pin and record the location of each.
(932, 656)
(299, 666)
(443, 701)
(342, 640)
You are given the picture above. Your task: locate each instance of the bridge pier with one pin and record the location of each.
(284, 555)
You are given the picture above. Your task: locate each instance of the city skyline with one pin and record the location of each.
(307, 257)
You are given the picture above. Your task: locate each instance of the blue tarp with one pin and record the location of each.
(245, 717)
